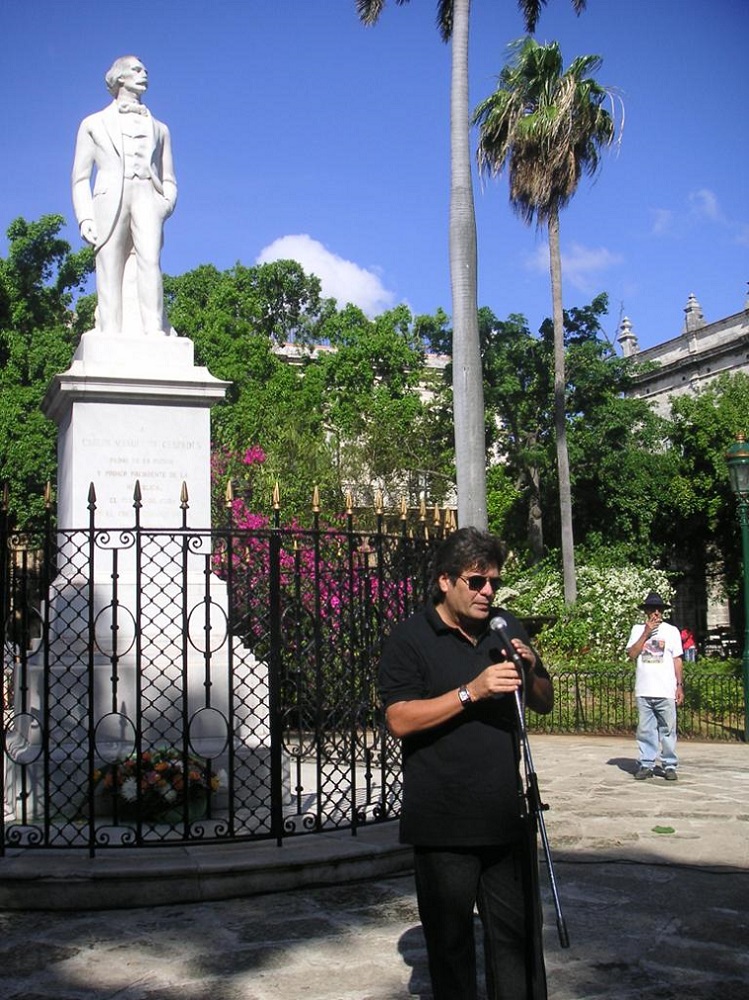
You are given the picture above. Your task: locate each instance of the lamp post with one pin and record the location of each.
(737, 458)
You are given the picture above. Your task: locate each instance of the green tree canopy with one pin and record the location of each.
(357, 408)
(620, 466)
(346, 413)
(701, 521)
(37, 282)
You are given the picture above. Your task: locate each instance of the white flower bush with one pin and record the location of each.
(598, 625)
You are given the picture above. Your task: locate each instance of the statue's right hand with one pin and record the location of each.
(88, 231)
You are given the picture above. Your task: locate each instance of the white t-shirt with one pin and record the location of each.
(655, 676)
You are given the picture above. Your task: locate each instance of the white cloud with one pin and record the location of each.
(580, 265)
(704, 204)
(662, 221)
(340, 279)
(705, 207)
(701, 206)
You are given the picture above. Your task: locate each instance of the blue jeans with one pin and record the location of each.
(499, 881)
(657, 730)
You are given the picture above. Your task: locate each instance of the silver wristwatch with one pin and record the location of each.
(464, 695)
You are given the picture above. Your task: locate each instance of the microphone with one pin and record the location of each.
(498, 625)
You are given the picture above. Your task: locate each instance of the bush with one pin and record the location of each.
(595, 629)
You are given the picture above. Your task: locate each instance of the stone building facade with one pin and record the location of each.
(701, 352)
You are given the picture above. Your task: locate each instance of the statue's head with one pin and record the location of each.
(127, 71)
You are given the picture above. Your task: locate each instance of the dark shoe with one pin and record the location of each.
(670, 774)
(643, 772)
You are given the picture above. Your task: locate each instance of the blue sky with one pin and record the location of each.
(297, 132)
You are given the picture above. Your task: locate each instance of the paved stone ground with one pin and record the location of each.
(635, 931)
(653, 880)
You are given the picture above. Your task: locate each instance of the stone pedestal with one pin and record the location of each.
(133, 409)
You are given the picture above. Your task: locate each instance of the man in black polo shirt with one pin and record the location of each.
(448, 688)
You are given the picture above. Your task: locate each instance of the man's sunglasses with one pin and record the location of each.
(477, 582)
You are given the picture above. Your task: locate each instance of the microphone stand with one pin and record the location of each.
(537, 808)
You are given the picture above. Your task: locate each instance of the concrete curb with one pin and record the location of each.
(47, 880)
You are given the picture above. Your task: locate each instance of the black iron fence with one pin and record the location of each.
(602, 702)
(179, 684)
(168, 685)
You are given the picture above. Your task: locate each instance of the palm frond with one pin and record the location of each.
(531, 11)
(369, 10)
(545, 125)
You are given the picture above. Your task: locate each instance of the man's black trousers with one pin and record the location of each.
(503, 883)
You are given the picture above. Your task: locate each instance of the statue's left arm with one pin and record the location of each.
(168, 178)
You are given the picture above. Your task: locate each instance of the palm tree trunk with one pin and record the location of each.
(560, 417)
(468, 386)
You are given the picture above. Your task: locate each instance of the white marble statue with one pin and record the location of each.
(128, 155)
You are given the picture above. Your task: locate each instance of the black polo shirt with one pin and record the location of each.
(461, 780)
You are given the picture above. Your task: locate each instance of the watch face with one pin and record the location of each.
(464, 695)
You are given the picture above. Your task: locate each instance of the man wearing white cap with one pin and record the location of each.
(659, 687)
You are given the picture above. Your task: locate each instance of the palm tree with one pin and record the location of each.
(548, 127)
(468, 392)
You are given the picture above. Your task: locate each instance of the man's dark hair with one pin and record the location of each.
(466, 548)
